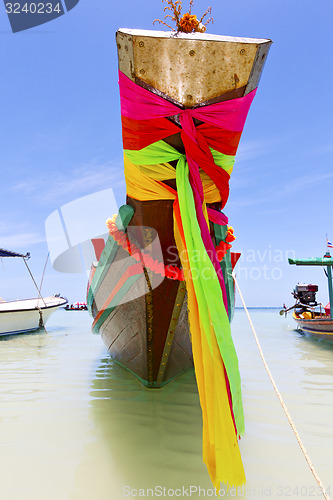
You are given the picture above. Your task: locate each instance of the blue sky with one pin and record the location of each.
(61, 139)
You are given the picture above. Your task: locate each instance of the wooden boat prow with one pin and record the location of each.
(192, 68)
(149, 334)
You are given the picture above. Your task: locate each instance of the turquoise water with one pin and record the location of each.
(74, 425)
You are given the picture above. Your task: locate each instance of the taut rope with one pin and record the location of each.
(33, 279)
(41, 283)
(41, 319)
(305, 453)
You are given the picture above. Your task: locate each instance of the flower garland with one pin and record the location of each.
(169, 271)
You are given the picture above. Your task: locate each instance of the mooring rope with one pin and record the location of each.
(33, 279)
(305, 453)
(41, 283)
(41, 321)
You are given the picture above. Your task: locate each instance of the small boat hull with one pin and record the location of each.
(320, 327)
(27, 315)
(154, 363)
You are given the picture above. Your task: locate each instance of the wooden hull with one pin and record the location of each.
(320, 327)
(24, 315)
(145, 330)
(125, 336)
(144, 327)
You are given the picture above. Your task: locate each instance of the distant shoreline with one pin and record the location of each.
(258, 307)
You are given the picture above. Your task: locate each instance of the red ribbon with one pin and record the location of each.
(138, 104)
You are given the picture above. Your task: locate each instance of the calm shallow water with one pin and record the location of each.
(74, 425)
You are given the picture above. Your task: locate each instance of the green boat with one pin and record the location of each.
(318, 324)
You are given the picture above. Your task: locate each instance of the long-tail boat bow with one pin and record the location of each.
(184, 102)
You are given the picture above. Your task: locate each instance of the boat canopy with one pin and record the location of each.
(313, 261)
(7, 253)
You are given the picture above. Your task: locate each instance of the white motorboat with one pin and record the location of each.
(19, 316)
(25, 315)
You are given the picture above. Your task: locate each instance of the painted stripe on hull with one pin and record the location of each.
(317, 328)
(323, 328)
(131, 275)
(2, 334)
(321, 333)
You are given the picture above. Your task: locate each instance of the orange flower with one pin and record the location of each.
(222, 249)
(188, 22)
(157, 267)
(230, 236)
(169, 271)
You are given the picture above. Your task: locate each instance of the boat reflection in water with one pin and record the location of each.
(149, 438)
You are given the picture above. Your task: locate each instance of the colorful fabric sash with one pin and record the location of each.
(202, 176)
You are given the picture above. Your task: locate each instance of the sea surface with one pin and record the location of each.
(74, 425)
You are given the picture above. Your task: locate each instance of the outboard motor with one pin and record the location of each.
(305, 294)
